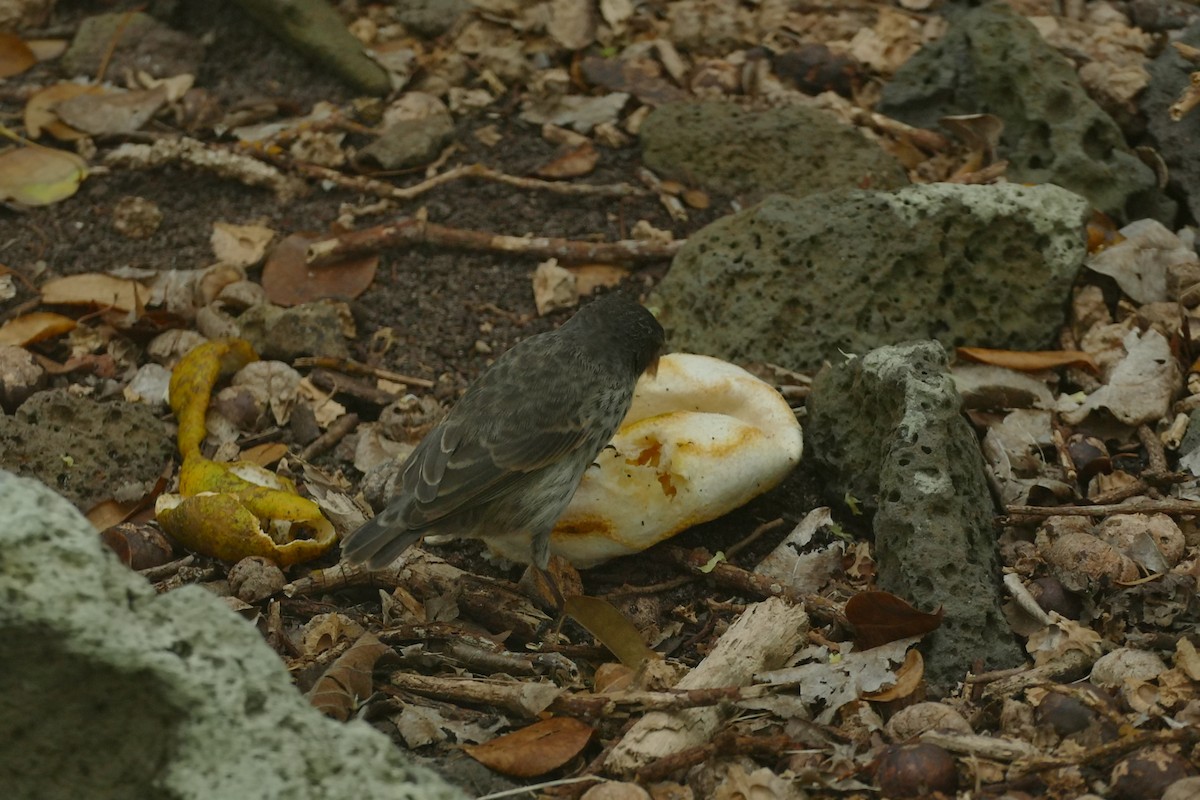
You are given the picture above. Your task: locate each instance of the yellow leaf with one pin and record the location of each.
(39, 176)
(95, 289)
(34, 327)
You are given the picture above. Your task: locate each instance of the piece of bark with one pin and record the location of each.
(762, 638)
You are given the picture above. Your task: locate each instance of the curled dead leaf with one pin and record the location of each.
(602, 619)
(1034, 361)
(289, 280)
(881, 617)
(348, 680)
(35, 327)
(97, 290)
(15, 55)
(535, 750)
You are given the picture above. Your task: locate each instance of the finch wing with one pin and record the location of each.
(492, 441)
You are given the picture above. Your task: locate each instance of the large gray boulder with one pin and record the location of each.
(1175, 140)
(794, 150)
(90, 450)
(794, 281)
(993, 60)
(114, 691)
(887, 429)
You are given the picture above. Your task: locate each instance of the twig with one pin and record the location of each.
(368, 185)
(699, 563)
(753, 536)
(221, 161)
(110, 46)
(411, 231)
(725, 743)
(534, 788)
(1154, 454)
(352, 367)
(1071, 665)
(337, 383)
(340, 428)
(1110, 750)
(1147, 507)
(163, 571)
(653, 588)
(982, 175)
(607, 704)
(675, 583)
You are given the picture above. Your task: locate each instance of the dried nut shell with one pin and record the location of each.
(1124, 530)
(1147, 773)
(1056, 527)
(1111, 670)
(1081, 561)
(255, 578)
(1051, 595)
(910, 722)
(916, 770)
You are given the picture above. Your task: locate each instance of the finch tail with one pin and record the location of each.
(380, 541)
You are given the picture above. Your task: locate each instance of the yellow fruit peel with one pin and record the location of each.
(230, 511)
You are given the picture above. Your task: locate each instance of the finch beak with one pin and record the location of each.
(652, 370)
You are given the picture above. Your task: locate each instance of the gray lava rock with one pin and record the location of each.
(87, 450)
(992, 60)
(410, 142)
(430, 18)
(284, 334)
(1175, 141)
(887, 429)
(794, 280)
(118, 692)
(795, 150)
(131, 42)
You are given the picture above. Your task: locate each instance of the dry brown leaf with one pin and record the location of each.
(1034, 361)
(47, 49)
(881, 617)
(240, 245)
(265, 454)
(554, 287)
(572, 164)
(908, 679)
(602, 619)
(35, 327)
(112, 113)
(15, 55)
(108, 513)
(348, 680)
(590, 277)
(290, 281)
(96, 289)
(641, 77)
(40, 115)
(535, 750)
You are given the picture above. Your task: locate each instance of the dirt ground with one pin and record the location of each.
(435, 300)
(450, 313)
(438, 302)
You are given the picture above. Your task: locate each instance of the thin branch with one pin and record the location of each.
(411, 231)
(1148, 507)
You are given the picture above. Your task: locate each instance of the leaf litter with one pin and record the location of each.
(1119, 584)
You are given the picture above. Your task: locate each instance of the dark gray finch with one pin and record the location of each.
(508, 457)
